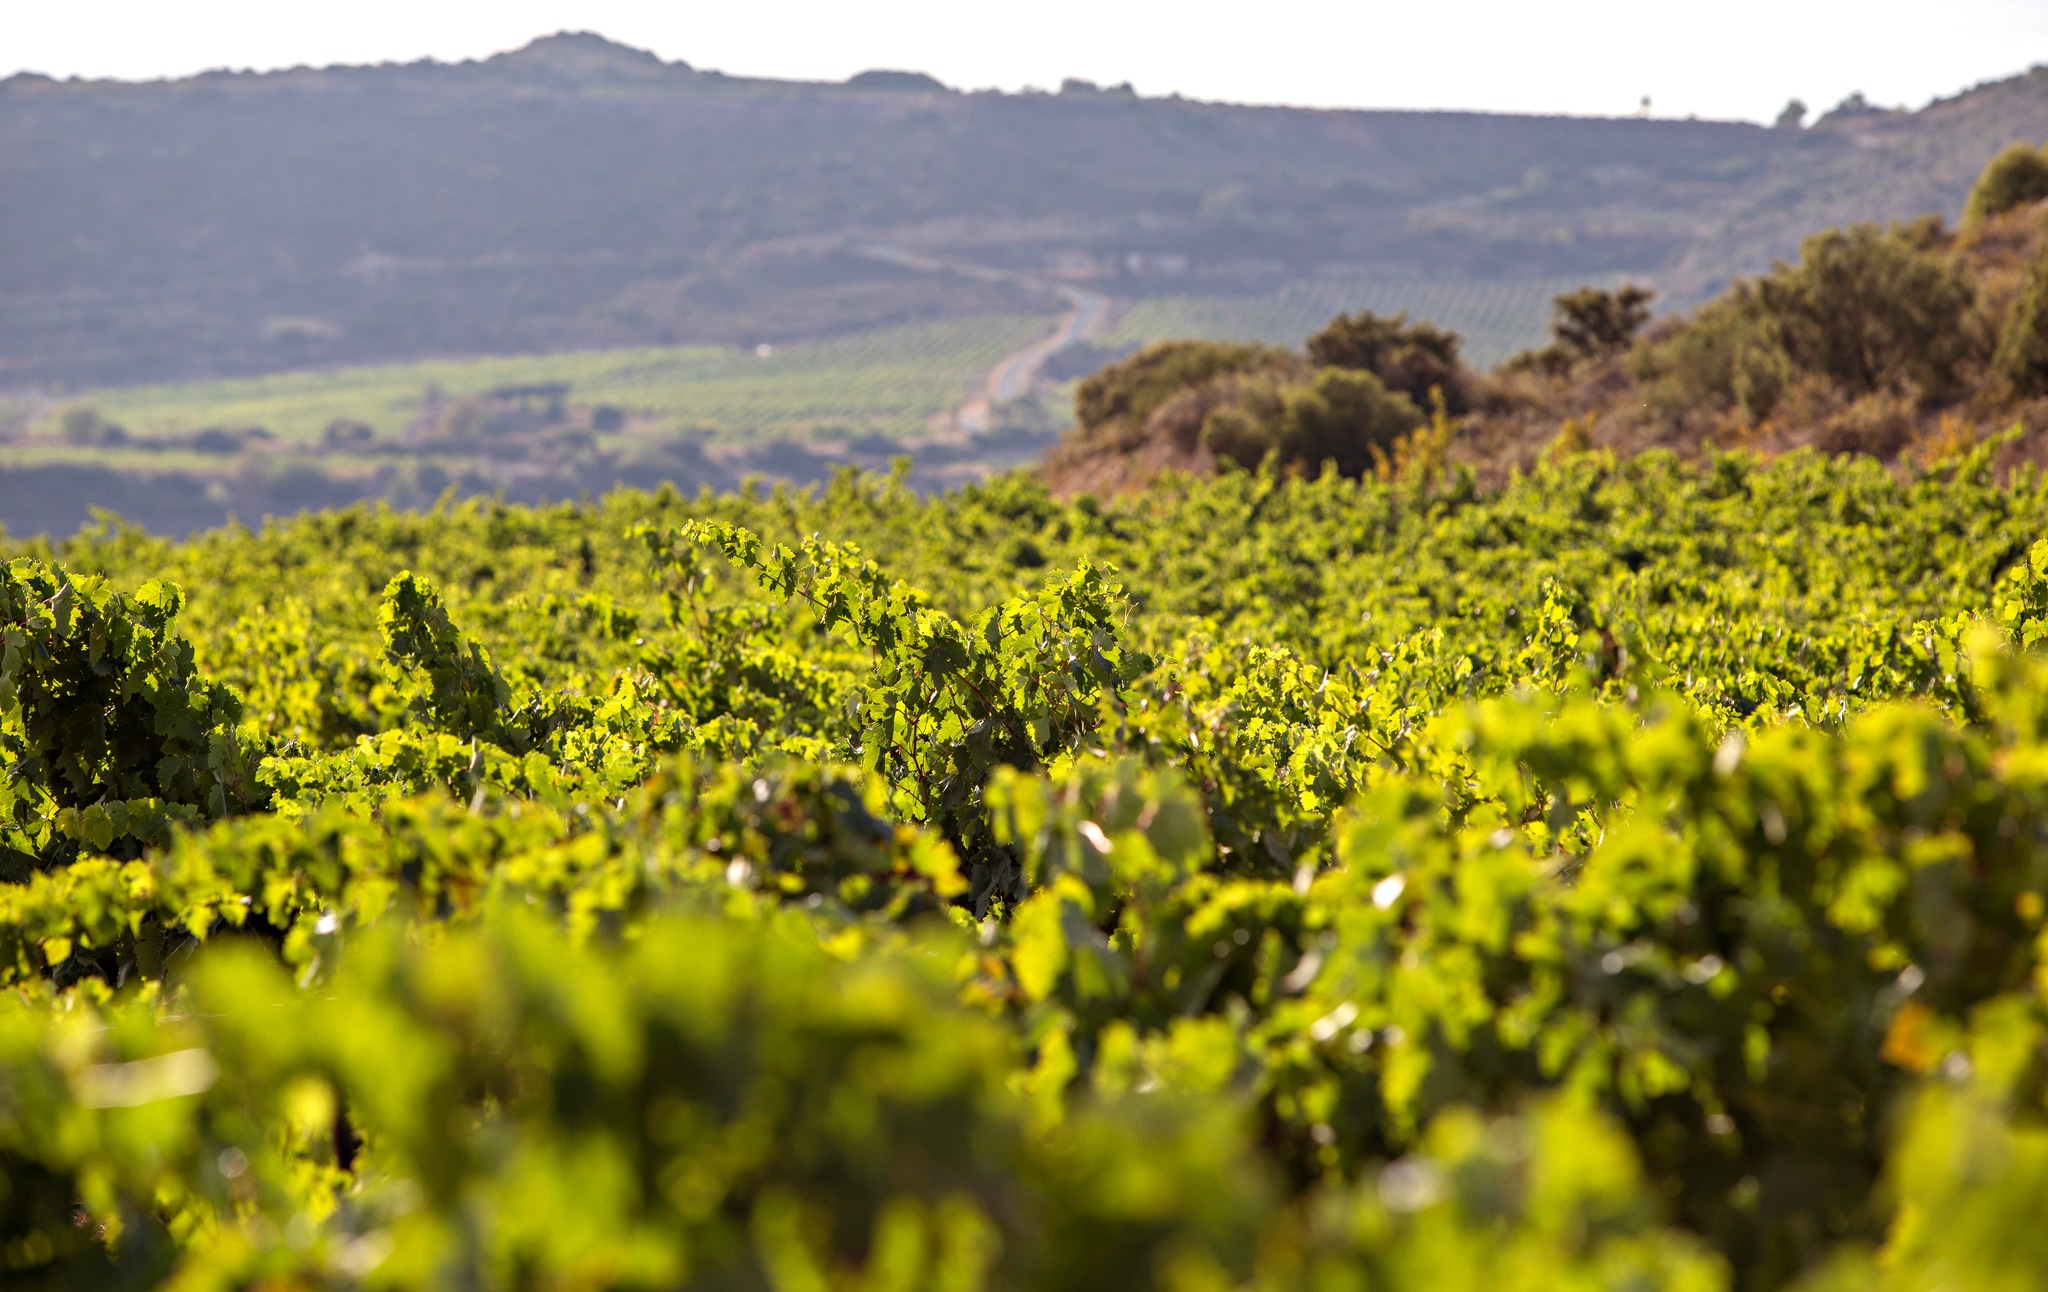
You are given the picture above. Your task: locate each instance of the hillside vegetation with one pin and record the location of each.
(1634, 877)
(579, 194)
(1887, 341)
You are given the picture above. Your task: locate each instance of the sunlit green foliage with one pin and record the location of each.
(1637, 877)
(110, 734)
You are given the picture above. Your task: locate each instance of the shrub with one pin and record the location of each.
(347, 433)
(108, 730)
(1339, 415)
(1129, 391)
(1727, 356)
(1591, 322)
(1879, 425)
(1411, 359)
(84, 424)
(1867, 310)
(1873, 310)
(448, 679)
(2015, 177)
(1179, 418)
(2023, 346)
(217, 439)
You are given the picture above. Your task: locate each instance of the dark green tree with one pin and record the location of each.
(1411, 359)
(1591, 322)
(84, 424)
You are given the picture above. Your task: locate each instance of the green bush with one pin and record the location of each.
(110, 733)
(2016, 177)
(1728, 355)
(2023, 345)
(1412, 359)
(1590, 323)
(1130, 390)
(1865, 310)
(83, 424)
(1338, 415)
(449, 679)
(1873, 311)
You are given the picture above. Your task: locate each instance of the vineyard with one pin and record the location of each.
(1633, 877)
(886, 381)
(532, 428)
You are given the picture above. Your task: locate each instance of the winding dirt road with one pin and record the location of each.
(1011, 378)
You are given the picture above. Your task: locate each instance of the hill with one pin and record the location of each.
(577, 193)
(1905, 341)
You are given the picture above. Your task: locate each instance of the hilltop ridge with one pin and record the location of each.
(578, 192)
(582, 55)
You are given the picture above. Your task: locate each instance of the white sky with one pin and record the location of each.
(1716, 58)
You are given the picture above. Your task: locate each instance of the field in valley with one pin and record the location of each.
(890, 382)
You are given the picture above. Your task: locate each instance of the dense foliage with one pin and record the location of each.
(1588, 324)
(1419, 360)
(2016, 177)
(1635, 877)
(1867, 311)
(1349, 401)
(2023, 346)
(1128, 394)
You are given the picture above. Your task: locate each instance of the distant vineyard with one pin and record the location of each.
(887, 382)
(1495, 318)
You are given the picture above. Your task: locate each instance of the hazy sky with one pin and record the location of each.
(1721, 58)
